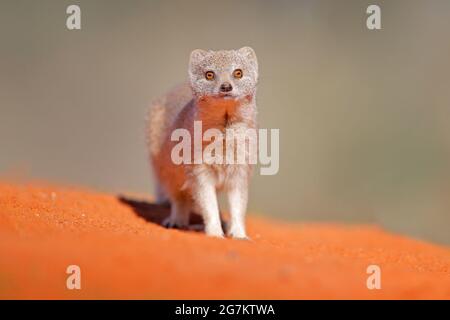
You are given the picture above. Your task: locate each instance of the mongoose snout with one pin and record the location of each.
(226, 87)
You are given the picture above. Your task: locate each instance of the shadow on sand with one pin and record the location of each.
(156, 213)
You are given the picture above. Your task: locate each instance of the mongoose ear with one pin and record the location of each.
(248, 53)
(197, 55)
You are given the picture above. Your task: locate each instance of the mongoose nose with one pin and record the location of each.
(226, 87)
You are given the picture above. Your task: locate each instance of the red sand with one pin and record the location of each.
(45, 228)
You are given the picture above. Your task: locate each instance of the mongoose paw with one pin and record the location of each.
(174, 222)
(216, 232)
(240, 237)
(237, 233)
(216, 235)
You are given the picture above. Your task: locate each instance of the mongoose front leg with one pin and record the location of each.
(237, 200)
(206, 201)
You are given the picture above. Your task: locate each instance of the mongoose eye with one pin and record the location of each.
(209, 75)
(237, 73)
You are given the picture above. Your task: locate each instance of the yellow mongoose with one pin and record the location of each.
(220, 94)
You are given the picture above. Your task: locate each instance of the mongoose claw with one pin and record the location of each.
(170, 223)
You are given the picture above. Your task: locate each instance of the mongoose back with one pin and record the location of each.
(220, 94)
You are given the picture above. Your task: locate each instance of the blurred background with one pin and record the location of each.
(364, 116)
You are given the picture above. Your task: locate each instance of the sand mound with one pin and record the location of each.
(124, 253)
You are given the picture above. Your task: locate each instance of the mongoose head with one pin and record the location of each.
(223, 74)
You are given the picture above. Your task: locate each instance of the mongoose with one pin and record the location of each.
(221, 94)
